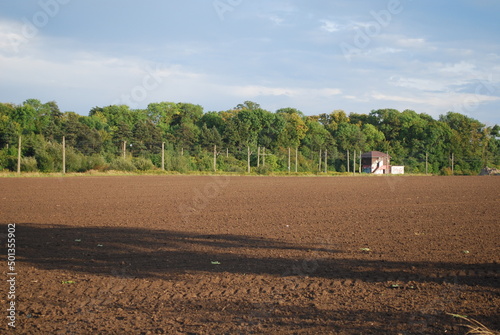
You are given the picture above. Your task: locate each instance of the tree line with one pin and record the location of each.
(182, 137)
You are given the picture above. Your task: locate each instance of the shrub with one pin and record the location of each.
(122, 164)
(231, 164)
(29, 164)
(446, 171)
(264, 170)
(96, 162)
(75, 161)
(181, 164)
(143, 164)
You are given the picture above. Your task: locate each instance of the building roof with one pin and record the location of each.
(374, 154)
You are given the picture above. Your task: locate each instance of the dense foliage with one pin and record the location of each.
(96, 141)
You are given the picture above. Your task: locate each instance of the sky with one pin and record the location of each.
(314, 55)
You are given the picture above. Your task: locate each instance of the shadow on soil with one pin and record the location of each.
(162, 254)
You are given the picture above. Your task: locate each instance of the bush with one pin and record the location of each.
(446, 171)
(96, 162)
(29, 164)
(143, 164)
(181, 164)
(122, 164)
(75, 161)
(231, 164)
(264, 170)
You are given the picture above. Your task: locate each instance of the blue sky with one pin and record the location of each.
(317, 56)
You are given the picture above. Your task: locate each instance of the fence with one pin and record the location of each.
(244, 160)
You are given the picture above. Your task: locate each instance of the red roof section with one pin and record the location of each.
(374, 154)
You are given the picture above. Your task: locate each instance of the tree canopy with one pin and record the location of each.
(190, 134)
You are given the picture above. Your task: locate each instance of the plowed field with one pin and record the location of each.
(251, 255)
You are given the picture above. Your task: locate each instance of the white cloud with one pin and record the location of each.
(275, 19)
(459, 68)
(417, 83)
(443, 102)
(256, 91)
(330, 26)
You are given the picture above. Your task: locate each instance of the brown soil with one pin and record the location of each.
(252, 255)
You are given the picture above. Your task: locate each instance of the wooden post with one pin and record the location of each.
(289, 152)
(452, 163)
(264, 157)
(19, 155)
(182, 151)
(248, 159)
(426, 163)
(348, 162)
(227, 152)
(64, 155)
(258, 156)
(163, 156)
(388, 166)
(215, 158)
(124, 149)
(360, 163)
(296, 159)
(326, 160)
(354, 162)
(319, 160)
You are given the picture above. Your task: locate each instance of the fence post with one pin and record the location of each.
(19, 155)
(215, 158)
(360, 163)
(326, 160)
(296, 158)
(258, 156)
(124, 149)
(452, 163)
(426, 163)
(348, 162)
(248, 159)
(163, 156)
(388, 167)
(64, 155)
(319, 163)
(354, 162)
(289, 152)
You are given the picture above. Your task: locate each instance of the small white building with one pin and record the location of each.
(397, 169)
